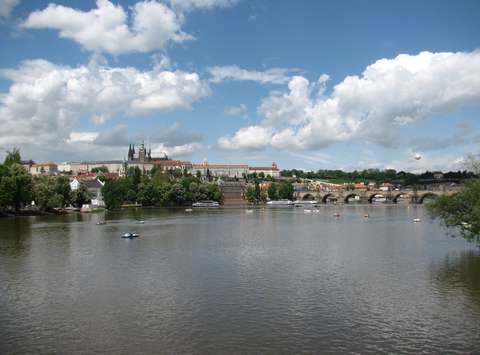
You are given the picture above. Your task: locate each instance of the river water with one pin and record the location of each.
(227, 281)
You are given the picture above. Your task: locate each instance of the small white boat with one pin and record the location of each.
(141, 222)
(466, 225)
(366, 215)
(280, 203)
(316, 211)
(101, 223)
(307, 211)
(188, 210)
(336, 214)
(248, 211)
(130, 235)
(207, 204)
(416, 220)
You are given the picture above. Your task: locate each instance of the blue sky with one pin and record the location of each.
(307, 84)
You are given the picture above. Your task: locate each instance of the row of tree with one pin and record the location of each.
(18, 189)
(275, 191)
(376, 175)
(158, 189)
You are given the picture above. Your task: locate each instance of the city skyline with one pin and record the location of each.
(309, 85)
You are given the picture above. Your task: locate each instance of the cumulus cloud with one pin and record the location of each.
(371, 107)
(6, 7)
(175, 151)
(45, 102)
(248, 138)
(148, 26)
(240, 110)
(234, 72)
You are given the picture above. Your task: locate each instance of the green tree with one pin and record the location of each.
(114, 193)
(21, 185)
(100, 169)
(250, 194)
(285, 191)
(13, 157)
(461, 210)
(80, 196)
(272, 191)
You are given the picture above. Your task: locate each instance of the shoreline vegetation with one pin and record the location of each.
(24, 195)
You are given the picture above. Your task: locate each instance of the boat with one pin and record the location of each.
(280, 203)
(336, 214)
(417, 220)
(188, 210)
(141, 222)
(300, 203)
(248, 211)
(130, 235)
(366, 215)
(101, 223)
(206, 204)
(307, 211)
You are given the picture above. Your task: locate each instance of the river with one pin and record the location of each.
(275, 280)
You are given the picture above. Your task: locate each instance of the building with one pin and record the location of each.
(184, 166)
(272, 171)
(94, 187)
(44, 169)
(221, 170)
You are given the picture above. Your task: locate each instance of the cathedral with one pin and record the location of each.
(143, 156)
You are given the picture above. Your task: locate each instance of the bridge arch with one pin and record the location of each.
(399, 195)
(349, 196)
(308, 197)
(426, 195)
(328, 196)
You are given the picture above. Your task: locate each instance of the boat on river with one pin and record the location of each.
(280, 203)
(206, 204)
(130, 235)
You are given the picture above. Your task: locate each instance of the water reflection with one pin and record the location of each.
(460, 273)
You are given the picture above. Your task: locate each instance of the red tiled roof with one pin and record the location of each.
(271, 168)
(220, 166)
(171, 163)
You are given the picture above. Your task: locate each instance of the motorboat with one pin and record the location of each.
(141, 222)
(101, 223)
(336, 214)
(416, 220)
(248, 211)
(130, 235)
(188, 210)
(280, 203)
(206, 204)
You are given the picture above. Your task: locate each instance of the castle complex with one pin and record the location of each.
(142, 158)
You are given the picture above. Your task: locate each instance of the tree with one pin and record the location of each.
(250, 194)
(13, 157)
(100, 169)
(21, 186)
(80, 196)
(285, 191)
(113, 194)
(461, 210)
(272, 191)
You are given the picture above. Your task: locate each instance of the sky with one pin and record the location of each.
(306, 84)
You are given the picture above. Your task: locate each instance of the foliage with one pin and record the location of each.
(100, 169)
(461, 210)
(51, 192)
(162, 189)
(377, 176)
(80, 196)
(13, 157)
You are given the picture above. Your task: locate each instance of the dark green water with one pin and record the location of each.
(227, 281)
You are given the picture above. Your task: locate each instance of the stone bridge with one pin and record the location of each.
(346, 196)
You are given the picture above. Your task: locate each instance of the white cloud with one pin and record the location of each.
(371, 107)
(188, 5)
(76, 137)
(234, 72)
(175, 151)
(248, 138)
(6, 7)
(45, 102)
(149, 26)
(240, 110)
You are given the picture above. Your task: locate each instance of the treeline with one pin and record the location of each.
(376, 175)
(158, 189)
(18, 189)
(275, 191)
